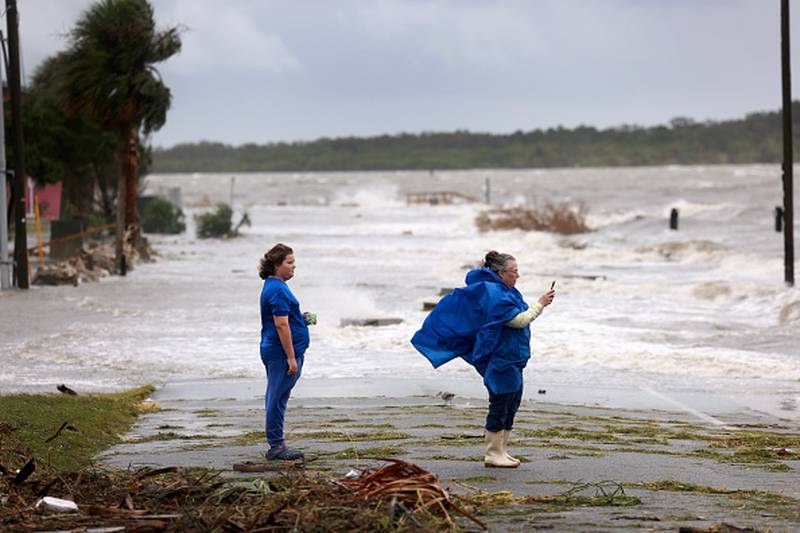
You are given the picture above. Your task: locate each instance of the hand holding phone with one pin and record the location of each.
(547, 298)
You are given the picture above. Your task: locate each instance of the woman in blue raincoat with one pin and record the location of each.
(487, 323)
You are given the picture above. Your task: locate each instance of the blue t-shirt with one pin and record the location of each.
(278, 300)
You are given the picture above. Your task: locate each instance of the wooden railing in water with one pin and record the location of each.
(439, 198)
(74, 236)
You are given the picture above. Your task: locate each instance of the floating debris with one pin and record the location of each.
(439, 198)
(371, 322)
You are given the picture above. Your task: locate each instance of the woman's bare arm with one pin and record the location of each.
(285, 335)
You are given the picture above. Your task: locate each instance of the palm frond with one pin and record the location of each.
(108, 72)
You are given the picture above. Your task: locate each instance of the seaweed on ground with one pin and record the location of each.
(399, 496)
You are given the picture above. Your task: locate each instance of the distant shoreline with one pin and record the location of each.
(754, 139)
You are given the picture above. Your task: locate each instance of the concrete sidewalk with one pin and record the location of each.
(737, 467)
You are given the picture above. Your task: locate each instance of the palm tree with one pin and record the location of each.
(109, 76)
(69, 148)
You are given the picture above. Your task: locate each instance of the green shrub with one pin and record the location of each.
(216, 223)
(160, 216)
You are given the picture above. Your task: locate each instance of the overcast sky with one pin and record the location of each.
(263, 71)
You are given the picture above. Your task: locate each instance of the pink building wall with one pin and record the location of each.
(49, 199)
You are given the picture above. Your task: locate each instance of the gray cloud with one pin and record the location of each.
(260, 71)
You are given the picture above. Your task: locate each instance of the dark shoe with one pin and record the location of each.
(282, 453)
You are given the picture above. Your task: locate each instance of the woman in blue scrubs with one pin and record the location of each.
(284, 340)
(487, 323)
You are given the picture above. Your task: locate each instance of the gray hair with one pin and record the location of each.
(496, 262)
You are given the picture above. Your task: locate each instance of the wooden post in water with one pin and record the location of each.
(788, 156)
(673, 219)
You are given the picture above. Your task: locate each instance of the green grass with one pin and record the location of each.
(371, 426)
(27, 421)
(353, 453)
(456, 440)
(251, 437)
(170, 435)
(754, 500)
(480, 479)
(339, 436)
(207, 413)
(677, 486)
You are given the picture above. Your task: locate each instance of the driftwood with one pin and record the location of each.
(373, 322)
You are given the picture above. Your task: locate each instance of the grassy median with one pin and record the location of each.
(64, 432)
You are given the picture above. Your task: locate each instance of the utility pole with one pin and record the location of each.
(788, 158)
(5, 263)
(20, 235)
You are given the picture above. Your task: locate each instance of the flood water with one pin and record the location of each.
(703, 308)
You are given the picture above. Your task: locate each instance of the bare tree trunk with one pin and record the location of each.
(122, 154)
(130, 167)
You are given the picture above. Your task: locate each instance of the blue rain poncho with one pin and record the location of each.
(470, 323)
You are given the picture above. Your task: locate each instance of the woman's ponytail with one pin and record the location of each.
(496, 262)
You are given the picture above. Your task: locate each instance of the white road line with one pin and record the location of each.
(692, 411)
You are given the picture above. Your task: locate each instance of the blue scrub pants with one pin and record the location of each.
(279, 387)
(502, 409)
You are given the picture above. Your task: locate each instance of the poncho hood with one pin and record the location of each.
(482, 274)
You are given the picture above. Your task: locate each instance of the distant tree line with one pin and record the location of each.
(754, 139)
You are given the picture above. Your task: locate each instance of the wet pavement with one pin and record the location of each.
(738, 467)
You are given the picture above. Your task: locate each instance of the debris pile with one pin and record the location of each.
(557, 218)
(409, 490)
(398, 496)
(95, 260)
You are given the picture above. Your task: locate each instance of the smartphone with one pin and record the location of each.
(553, 285)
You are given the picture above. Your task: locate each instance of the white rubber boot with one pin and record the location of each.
(495, 453)
(506, 433)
